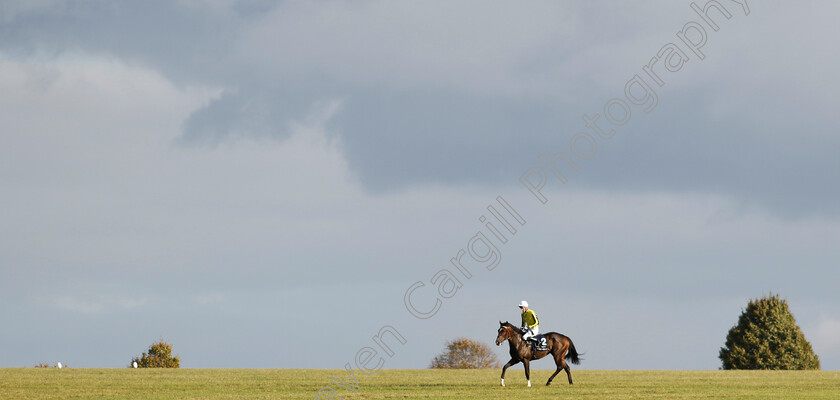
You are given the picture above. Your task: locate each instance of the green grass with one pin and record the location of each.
(50, 383)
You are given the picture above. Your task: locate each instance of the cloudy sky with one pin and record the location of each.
(260, 183)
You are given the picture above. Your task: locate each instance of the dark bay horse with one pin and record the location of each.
(559, 346)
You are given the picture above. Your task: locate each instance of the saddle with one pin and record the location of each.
(538, 343)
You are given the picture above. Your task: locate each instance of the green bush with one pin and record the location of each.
(463, 353)
(767, 337)
(158, 356)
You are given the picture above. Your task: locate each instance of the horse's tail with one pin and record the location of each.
(573, 355)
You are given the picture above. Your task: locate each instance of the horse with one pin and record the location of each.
(559, 346)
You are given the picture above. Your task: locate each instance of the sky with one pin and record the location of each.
(273, 184)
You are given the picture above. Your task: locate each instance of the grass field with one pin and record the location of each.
(43, 383)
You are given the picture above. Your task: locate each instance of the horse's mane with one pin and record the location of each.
(515, 329)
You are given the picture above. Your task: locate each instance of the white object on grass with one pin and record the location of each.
(58, 365)
(135, 364)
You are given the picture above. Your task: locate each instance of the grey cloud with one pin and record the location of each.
(456, 102)
(186, 43)
(398, 139)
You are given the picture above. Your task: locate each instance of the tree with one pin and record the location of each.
(158, 356)
(767, 337)
(463, 353)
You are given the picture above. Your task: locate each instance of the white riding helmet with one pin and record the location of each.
(523, 303)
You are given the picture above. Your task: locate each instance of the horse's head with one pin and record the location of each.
(506, 331)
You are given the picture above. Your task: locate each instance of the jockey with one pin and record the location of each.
(530, 322)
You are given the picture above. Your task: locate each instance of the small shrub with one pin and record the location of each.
(47, 365)
(463, 353)
(158, 356)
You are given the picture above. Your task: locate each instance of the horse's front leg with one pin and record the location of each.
(509, 363)
(527, 371)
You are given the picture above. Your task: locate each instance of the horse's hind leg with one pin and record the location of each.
(558, 361)
(568, 371)
(553, 375)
